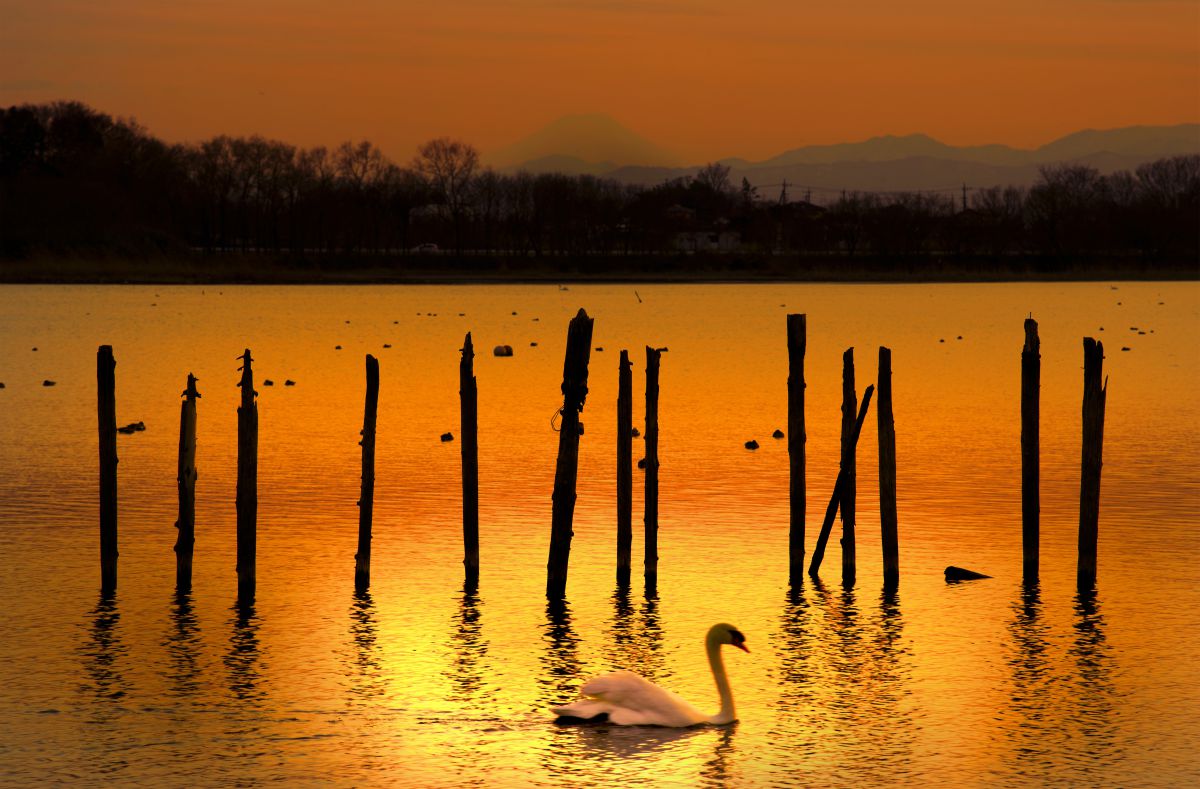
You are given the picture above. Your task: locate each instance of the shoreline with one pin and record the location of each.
(255, 269)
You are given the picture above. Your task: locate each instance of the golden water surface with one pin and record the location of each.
(422, 684)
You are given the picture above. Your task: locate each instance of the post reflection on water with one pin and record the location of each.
(559, 680)
(1094, 743)
(103, 652)
(183, 642)
(243, 660)
(364, 669)
(469, 668)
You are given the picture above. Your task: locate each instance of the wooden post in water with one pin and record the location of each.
(468, 395)
(796, 342)
(574, 389)
(106, 411)
(366, 498)
(850, 480)
(887, 473)
(1031, 384)
(651, 509)
(624, 470)
(831, 510)
(247, 484)
(185, 540)
(1094, 395)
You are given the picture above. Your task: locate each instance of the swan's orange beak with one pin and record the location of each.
(742, 646)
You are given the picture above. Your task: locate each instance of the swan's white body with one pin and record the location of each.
(628, 699)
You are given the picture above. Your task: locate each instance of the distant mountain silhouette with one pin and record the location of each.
(592, 144)
(885, 163)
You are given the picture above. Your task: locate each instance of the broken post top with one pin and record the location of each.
(468, 350)
(1032, 344)
(247, 382)
(190, 392)
(575, 365)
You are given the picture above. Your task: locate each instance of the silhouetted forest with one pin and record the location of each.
(75, 182)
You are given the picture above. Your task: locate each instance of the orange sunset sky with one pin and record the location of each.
(702, 78)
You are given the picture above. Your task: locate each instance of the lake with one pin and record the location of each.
(420, 683)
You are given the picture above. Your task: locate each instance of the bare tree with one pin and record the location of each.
(715, 176)
(447, 166)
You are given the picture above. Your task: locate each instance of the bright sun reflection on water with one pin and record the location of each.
(421, 682)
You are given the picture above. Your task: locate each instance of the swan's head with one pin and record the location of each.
(727, 634)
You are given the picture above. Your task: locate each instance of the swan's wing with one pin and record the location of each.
(632, 700)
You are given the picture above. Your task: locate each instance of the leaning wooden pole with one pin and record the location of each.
(1094, 395)
(366, 498)
(574, 389)
(185, 539)
(624, 469)
(831, 510)
(468, 394)
(887, 473)
(849, 466)
(1031, 384)
(796, 342)
(653, 356)
(106, 411)
(247, 483)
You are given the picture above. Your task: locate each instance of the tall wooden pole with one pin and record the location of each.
(1094, 396)
(366, 498)
(574, 389)
(624, 469)
(814, 564)
(887, 473)
(651, 503)
(185, 540)
(247, 484)
(1031, 384)
(848, 469)
(796, 341)
(468, 394)
(106, 411)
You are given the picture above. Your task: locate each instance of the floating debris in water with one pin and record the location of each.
(943, 339)
(777, 434)
(533, 345)
(48, 382)
(751, 444)
(132, 427)
(1, 384)
(447, 437)
(387, 345)
(268, 382)
(337, 347)
(35, 348)
(635, 432)
(514, 312)
(289, 382)
(642, 463)
(1126, 348)
(599, 348)
(959, 337)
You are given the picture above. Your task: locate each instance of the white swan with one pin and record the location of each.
(628, 699)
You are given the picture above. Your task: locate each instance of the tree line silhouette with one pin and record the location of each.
(76, 181)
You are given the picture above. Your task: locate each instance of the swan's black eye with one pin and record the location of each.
(736, 637)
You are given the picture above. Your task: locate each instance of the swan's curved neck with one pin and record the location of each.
(727, 714)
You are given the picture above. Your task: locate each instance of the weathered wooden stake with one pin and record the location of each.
(624, 469)
(887, 473)
(1094, 395)
(366, 498)
(849, 465)
(831, 511)
(574, 389)
(651, 512)
(468, 394)
(106, 411)
(247, 483)
(185, 540)
(1031, 384)
(796, 341)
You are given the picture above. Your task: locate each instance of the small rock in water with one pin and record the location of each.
(777, 434)
(752, 444)
(502, 350)
(268, 382)
(48, 382)
(289, 382)
(961, 574)
(447, 436)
